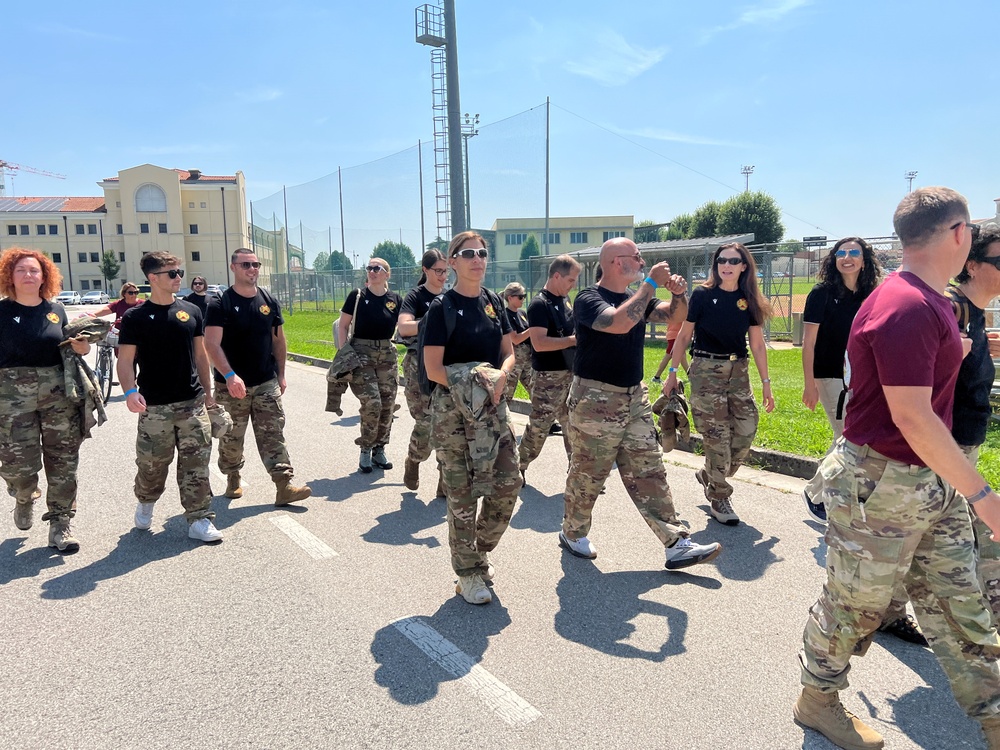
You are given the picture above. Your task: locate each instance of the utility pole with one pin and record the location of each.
(746, 171)
(470, 129)
(909, 180)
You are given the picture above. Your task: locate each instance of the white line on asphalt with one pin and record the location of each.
(510, 706)
(215, 470)
(315, 547)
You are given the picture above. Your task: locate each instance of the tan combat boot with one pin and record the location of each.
(411, 474)
(288, 493)
(61, 535)
(826, 714)
(24, 514)
(233, 489)
(991, 729)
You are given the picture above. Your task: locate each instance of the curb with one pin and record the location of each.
(778, 462)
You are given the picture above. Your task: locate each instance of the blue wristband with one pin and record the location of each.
(130, 392)
(649, 280)
(229, 374)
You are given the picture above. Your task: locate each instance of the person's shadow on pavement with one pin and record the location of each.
(745, 556)
(457, 635)
(538, 512)
(402, 526)
(26, 564)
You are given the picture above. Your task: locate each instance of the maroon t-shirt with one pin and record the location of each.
(904, 335)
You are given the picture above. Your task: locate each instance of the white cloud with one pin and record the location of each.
(611, 60)
(765, 13)
(259, 95)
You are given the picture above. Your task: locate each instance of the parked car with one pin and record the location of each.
(96, 297)
(184, 291)
(215, 288)
(69, 298)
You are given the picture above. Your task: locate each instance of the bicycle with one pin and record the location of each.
(105, 369)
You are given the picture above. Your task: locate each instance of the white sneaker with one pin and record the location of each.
(204, 530)
(473, 590)
(580, 547)
(685, 553)
(144, 515)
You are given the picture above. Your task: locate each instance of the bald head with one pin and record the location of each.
(615, 248)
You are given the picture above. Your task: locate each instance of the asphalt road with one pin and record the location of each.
(336, 624)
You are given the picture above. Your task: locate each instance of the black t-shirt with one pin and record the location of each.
(30, 336)
(971, 413)
(163, 336)
(555, 315)
(417, 301)
(614, 358)
(721, 320)
(201, 300)
(480, 326)
(376, 315)
(248, 325)
(518, 322)
(834, 315)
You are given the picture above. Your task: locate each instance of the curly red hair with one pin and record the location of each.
(51, 278)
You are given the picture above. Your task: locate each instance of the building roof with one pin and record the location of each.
(51, 205)
(192, 176)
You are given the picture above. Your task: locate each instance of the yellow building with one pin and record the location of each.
(199, 218)
(566, 234)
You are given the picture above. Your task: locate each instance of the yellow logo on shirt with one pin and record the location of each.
(742, 304)
(265, 310)
(490, 312)
(182, 316)
(390, 305)
(52, 318)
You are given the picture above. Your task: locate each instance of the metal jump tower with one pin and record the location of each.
(436, 29)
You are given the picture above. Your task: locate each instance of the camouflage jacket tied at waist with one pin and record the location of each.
(81, 384)
(673, 413)
(471, 387)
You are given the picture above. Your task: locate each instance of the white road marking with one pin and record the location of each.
(503, 701)
(315, 547)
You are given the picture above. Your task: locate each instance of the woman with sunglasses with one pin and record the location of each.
(474, 442)
(434, 274)
(726, 309)
(128, 298)
(513, 296)
(847, 275)
(376, 381)
(198, 296)
(39, 425)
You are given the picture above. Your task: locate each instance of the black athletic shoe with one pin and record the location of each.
(906, 629)
(816, 511)
(555, 429)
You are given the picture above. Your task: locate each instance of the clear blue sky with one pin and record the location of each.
(831, 101)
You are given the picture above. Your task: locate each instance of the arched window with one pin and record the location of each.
(150, 198)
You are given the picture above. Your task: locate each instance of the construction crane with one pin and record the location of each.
(10, 166)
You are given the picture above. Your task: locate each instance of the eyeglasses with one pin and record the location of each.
(854, 252)
(519, 296)
(440, 271)
(471, 252)
(131, 293)
(174, 273)
(973, 228)
(636, 256)
(993, 261)
(246, 265)
(731, 261)
(374, 269)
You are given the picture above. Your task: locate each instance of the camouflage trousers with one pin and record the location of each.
(474, 529)
(889, 521)
(375, 384)
(522, 371)
(419, 405)
(548, 404)
(725, 414)
(183, 426)
(987, 558)
(39, 428)
(609, 424)
(262, 405)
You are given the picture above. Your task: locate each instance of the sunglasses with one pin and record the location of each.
(471, 252)
(374, 269)
(174, 273)
(197, 283)
(131, 293)
(993, 261)
(853, 252)
(519, 296)
(636, 256)
(246, 265)
(731, 261)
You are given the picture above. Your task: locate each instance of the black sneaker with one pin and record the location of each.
(906, 629)
(816, 511)
(555, 429)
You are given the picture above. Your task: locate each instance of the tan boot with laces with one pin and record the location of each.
(233, 489)
(826, 714)
(289, 493)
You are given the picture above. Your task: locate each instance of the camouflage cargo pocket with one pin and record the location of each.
(839, 488)
(862, 566)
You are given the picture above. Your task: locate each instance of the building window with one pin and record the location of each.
(40, 228)
(97, 284)
(53, 229)
(12, 229)
(577, 238)
(81, 257)
(162, 227)
(194, 229)
(204, 205)
(24, 228)
(79, 229)
(57, 257)
(553, 238)
(118, 204)
(92, 229)
(150, 198)
(190, 204)
(612, 235)
(95, 257)
(518, 238)
(85, 285)
(144, 229)
(121, 257)
(195, 256)
(120, 229)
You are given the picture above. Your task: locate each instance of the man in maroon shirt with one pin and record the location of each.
(890, 488)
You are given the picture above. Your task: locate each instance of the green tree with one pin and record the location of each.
(439, 243)
(322, 262)
(529, 250)
(678, 227)
(755, 212)
(396, 254)
(110, 267)
(704, 221)
(340, 262)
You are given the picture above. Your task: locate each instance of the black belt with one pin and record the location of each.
(710, 355)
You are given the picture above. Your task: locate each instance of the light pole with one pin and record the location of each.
(470, 129)
(909, 180)
(746, 171)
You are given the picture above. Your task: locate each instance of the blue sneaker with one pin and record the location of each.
(816, 511)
